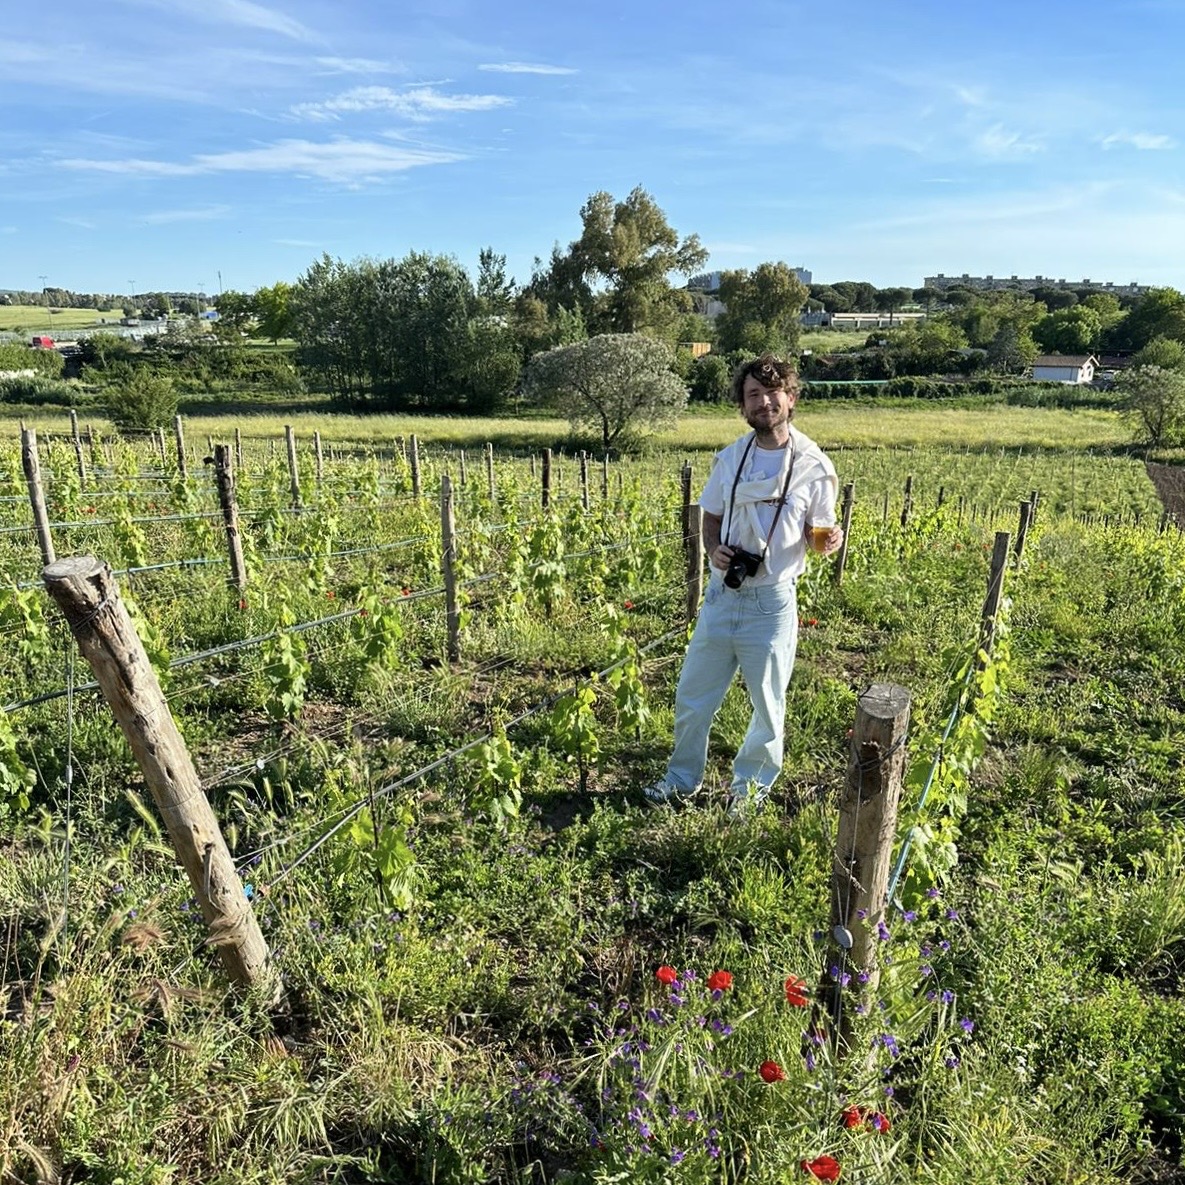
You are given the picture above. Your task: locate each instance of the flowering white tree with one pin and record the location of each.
(619, 383)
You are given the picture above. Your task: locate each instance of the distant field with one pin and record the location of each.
(32, 318)
(843, 425)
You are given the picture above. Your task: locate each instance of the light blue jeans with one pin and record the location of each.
(754, 628)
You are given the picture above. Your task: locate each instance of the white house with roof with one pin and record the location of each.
(1065, 368)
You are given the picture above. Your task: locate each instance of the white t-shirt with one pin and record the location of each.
(812, 501)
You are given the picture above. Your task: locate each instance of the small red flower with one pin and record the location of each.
(852, 1117)
(822, 1168)
(330, 594)
(880, 1122)
(812, 621)
(719, 981)
(796, 992)
(363, 613)
(771, 1072)
(406, 591)
(627, 604)
(242, 604)
(667, 975)
(88, 510)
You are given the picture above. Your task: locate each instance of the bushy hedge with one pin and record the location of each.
(38, 390)
(1017, 393)
(14, 356)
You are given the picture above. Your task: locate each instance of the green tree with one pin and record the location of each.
(273, 311)
(236, 313)
(1074, 330)
(891, 300)
(761, 310)
(495, 291)
(1160, 313)
(137, 398)
(618, 272)
(1154, 401)
(621, 384)
(1165, 352)
(1012, 349)
(709, 379)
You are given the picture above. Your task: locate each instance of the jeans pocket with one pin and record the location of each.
(775, 599)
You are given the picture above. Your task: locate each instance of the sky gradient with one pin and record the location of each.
(158, 143)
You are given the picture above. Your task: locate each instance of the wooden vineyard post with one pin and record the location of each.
(546, 486)
(995, 592)
(448, 553)
(225, 478)
(605, 478)
(885, 508)
(179, 438)
(1034, 499)
(31, 463)
(941, 497)
(318, 457)
(239, 447)
(584, 480)
(533, 472)
(907, 500)
(464, 470)
(685, 491)
(293, 471)
(841, 558)
(415, 466)
(864, 846)
(85, 590)
(76, 441)
(693, 541)
(1022, 529)
(490, 472)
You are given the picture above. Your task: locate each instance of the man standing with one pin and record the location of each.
(765, 494)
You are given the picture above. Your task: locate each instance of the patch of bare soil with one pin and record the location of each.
(1169, 481)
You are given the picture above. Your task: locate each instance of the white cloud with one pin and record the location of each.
(1001, 143)
(419, 104)
(525, 68)
(1145, 141)
(358, 66)
(243, 13)
(81, 223)
(348, 162)
(197, 214)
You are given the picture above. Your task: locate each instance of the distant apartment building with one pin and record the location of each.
(998, 283)
(710, 281)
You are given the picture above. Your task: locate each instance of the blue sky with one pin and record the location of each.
(156, 143)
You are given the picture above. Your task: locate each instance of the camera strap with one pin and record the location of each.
(781, 500)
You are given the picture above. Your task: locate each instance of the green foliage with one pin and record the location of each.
(137, 398)
(48, 364)
(619, 384)
(761, 310)
(1154, 400)
(38, 391)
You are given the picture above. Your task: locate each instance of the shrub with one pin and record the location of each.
(14, 356)
(38, 390)
(140, 399)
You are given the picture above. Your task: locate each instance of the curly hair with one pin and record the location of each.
(772, 373)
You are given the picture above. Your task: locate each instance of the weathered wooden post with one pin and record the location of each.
(907, 500)
(533, 473)
(864, 846)
(293, 471)
(685, 492)
(1022, 529)
(546, 488)
(161, 451)
(845, 521)
(415, 466)
(318, 458)
(995, 592)
(694, 544)
(464, 470)
(88, 596)
(1034, 499)
(179, 436)
(76, 441)
(885, 508)
(225, 479)
(584, 479)
(490, 471)
(239, 447)
(31, 463)
(605, 478)
(448, 553)
(941, 497)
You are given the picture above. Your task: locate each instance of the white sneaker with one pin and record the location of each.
(662, 792)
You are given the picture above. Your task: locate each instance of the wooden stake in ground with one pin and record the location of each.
(841, 557)
(179, 434)
(685, 491)
(293, 470)
(225, 479)
(448, 554)
(907, 500)
(995, 592)
(86, 592)
(546, 486)
(415, 466)
(1022, 529)
(31, 463)
(584, 479)
(490, 472)
(864, 843)
(318, 457)
(694, 543)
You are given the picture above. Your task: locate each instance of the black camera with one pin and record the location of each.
(743, 563)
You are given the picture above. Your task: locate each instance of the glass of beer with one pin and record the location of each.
(817, 533)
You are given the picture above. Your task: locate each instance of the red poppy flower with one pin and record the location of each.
(363, 613)
(880, 1122)
(822, 1168)
(628, 604)
(812, 621)
(406, 591)
(796, 992)
(719, 981)
(852, 1117)
(771, 1072)
(330, 594)
(667, 975)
